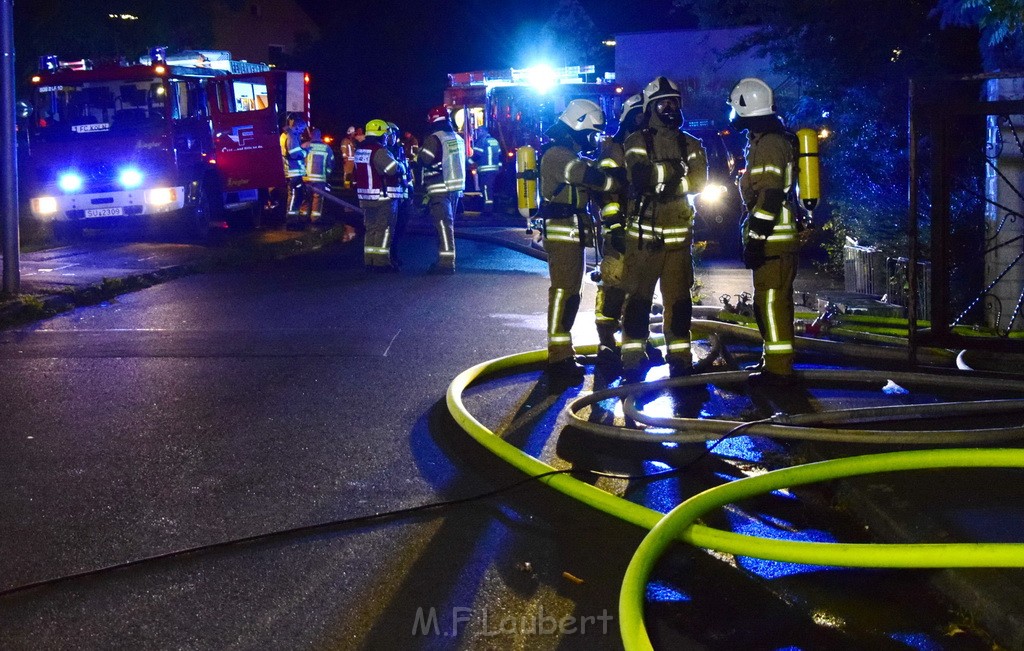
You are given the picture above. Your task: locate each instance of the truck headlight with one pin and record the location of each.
(44, 206)
(69, 182)
(130, 178)
(161, 196)
(713, 192)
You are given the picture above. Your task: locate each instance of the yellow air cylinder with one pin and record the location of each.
(527, 196)
(808, 162)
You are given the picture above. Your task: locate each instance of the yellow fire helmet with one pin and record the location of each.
(376, 128)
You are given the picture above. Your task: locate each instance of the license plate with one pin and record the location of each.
(104, 212)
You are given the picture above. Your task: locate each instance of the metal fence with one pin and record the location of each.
(864, 270)
(897, 273)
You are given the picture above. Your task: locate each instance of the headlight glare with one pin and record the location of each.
(713, 192)
(70, 182)
(130, 178)
(44, 206)
(161, 196)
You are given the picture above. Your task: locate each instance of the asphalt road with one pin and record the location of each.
(283, 394)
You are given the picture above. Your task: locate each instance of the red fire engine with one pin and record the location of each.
(192, 137)
(518, 105)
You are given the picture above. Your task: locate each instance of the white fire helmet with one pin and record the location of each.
(660, 88)
(752, 97)
(633, 102)
(583, 115)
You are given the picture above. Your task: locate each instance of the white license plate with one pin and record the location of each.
(104, 212)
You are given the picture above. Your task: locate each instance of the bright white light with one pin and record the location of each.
(43, 206)
(542, 77)
(161, 196)
(713, 192)
(70, 182)
(130, 177)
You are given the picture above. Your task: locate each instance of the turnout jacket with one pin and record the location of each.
(764, 187)
(566, 183)
(663, 166)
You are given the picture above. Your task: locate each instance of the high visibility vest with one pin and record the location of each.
(319, 161)
(452, 177)
(371, 185)
(293, 155)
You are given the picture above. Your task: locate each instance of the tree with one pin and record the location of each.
(570, 36)
(854, 82)
(1001, 23)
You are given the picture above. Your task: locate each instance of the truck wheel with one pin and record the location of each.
(202, 212)
(243, 220)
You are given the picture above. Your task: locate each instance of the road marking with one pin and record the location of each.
(391, 342)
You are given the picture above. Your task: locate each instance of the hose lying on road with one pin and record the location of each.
(800, 426)
(679, 523)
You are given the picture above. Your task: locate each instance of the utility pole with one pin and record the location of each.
(9, 153)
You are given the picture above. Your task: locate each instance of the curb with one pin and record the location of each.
(26, 308)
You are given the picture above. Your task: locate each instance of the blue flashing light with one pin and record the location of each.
(542, 77)
(130, 178)
(70, 182)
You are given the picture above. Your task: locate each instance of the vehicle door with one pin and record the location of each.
(247, 142)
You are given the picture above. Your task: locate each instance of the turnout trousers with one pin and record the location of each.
(442, 213)
(644, 268)
(773, 309)
(565, 266)
(379, 220)
(611, 297)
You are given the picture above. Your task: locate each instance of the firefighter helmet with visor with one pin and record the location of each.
(659, 89)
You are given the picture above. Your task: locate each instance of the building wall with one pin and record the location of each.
(250, 32)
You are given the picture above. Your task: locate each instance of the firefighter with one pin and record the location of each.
(664, 165)
(293, 154)
(399, 189)
(487, 156)
(567, 178)
(348, 151)
(769, 230)
(374, 166)
(443, 160)
(611, 293)
(319, 165)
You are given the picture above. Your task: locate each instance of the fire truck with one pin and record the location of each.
(191, 139)
(517, 105)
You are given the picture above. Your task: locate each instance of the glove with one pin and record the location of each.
(753, 254)
(617, 239)
(643, 175)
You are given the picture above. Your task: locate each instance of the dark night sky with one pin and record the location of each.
(395, 55)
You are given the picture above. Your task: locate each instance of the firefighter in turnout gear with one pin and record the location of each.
(487, 156)
(374, 167)
(664, 165)
(347, 147)
(399, 189)
(319, 165)
(443, 161)
(769, 230)
(293, 155)
(567, 179)
(611, 292)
